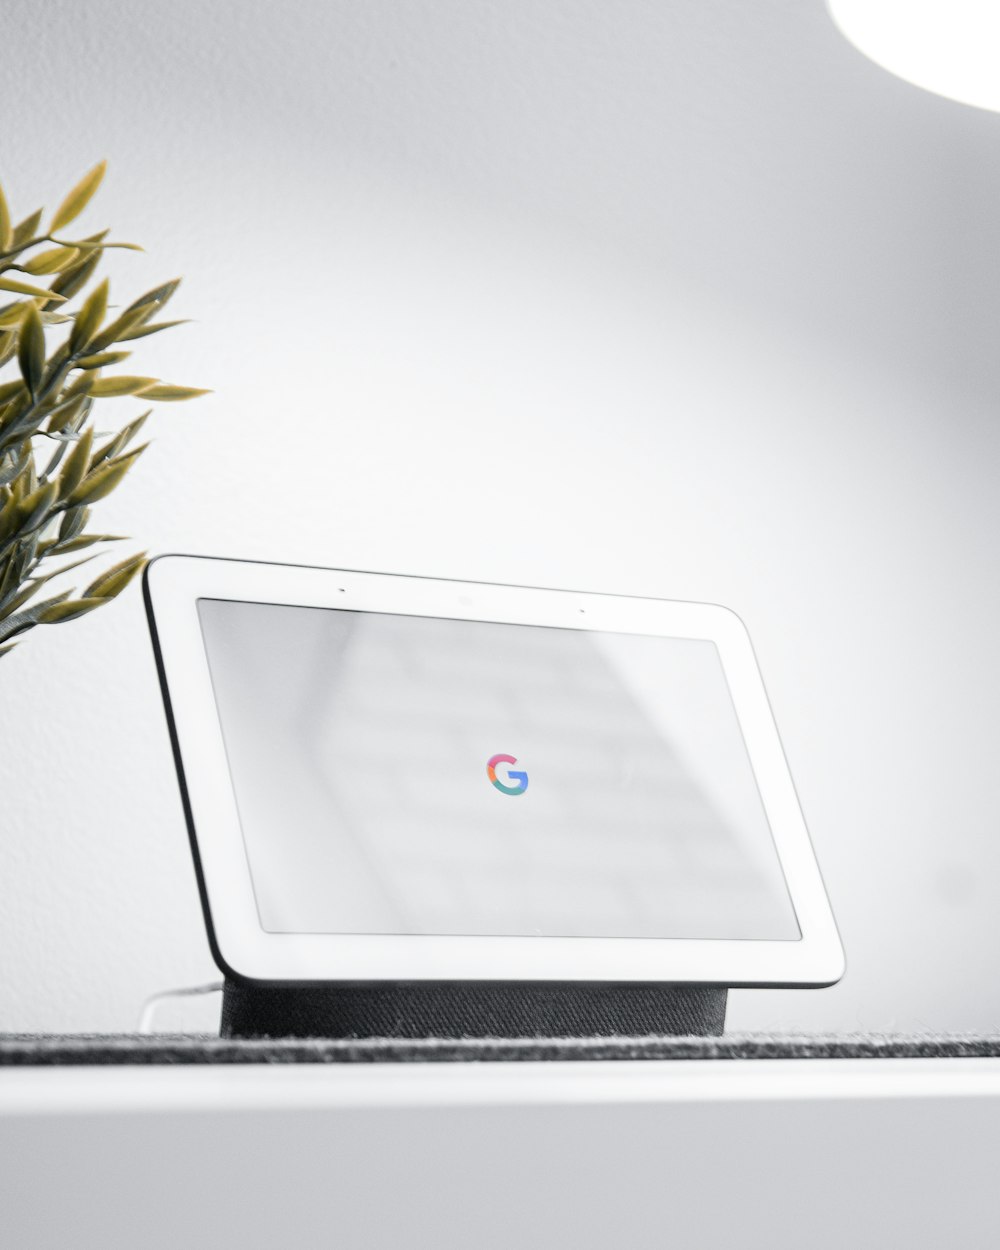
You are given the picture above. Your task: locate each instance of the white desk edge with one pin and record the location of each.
(26, 1091)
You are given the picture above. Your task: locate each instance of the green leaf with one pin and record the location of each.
(166, 393)
(101, 359)
(36, 583)
(28, 480)
(19, 428)
(26, 230)
(9, 517)
(6, 233)
(53, 261)
(83, 541)
(67, 414)
(31, 349)
(11, 574)
(103, 480)
(128, 247)
(25, 288)
(98, 244)
(77, 463)
(25, 619)
(11, 314)
(153, 328)
(73, 280)
(56, 371)
(89, 318)
(121, 440)
(18, 598)
(117, 329)
(77, 200)
(74, 520)
(17, 464)
(9, 389)
(156, 298)
(136, 314)
(123, 384)
(80, 385)
(114, 580)
(24, 557)
(68, 610)
(35, 507)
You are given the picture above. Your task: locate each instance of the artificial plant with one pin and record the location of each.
(53, 466)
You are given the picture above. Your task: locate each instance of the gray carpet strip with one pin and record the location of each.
(33, 1050)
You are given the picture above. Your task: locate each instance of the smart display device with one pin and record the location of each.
(410, 779)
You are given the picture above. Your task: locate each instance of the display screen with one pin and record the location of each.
(419, 775)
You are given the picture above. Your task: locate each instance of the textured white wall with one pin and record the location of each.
(681, 299)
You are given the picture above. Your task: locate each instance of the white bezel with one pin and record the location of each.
(173, 586)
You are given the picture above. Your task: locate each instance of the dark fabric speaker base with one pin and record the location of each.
(481, 1009)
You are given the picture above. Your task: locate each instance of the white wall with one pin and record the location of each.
(682, 299)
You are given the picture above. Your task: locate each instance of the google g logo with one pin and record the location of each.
(520, 779)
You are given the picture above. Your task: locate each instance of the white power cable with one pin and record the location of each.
(145, 1024)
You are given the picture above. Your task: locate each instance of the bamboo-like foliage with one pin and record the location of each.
(52, 466)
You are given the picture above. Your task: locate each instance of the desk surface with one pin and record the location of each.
(111, 1090)
(644, 1153)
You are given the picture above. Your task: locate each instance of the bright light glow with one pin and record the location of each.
(951, 47)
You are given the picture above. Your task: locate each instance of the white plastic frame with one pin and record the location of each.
(173, 586)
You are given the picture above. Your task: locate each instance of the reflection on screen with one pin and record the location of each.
(403, 774)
